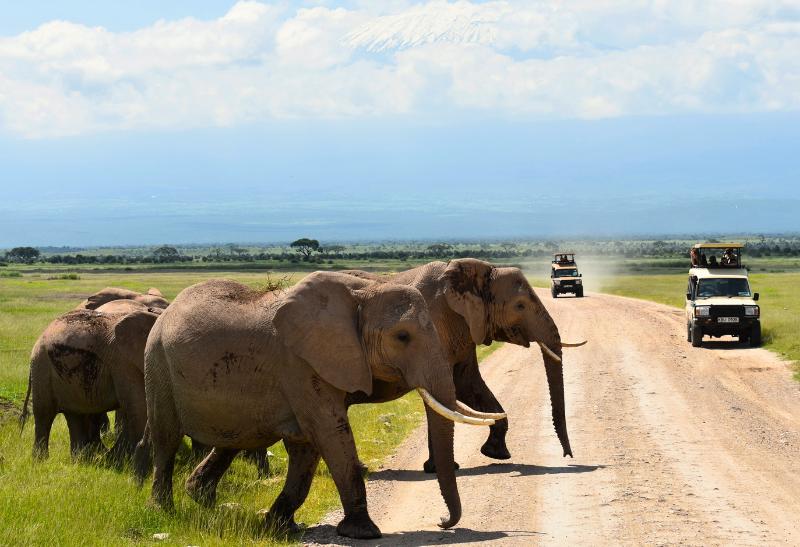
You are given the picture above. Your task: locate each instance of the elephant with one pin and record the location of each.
(471, 302)
(152, 298)
(86, 363)
(240, 369)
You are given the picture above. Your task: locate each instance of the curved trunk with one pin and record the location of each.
(544, 329)
(441, 430)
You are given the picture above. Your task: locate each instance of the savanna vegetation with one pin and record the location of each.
(59, 502)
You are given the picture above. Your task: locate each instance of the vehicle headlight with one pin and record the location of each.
(752, 311)
(702, 311)
(577, 281)
(557, 281)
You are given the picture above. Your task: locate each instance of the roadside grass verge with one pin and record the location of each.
(780, 304)
(61, 502)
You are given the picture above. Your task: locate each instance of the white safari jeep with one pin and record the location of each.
(564, 276)
(718, 298)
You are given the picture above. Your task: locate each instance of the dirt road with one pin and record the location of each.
(673, 445)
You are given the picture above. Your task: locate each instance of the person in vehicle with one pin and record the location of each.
(713, 262)
(703, 260)
(729, 258)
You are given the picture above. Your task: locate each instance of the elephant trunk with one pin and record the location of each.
(550, 340)
(441, 430)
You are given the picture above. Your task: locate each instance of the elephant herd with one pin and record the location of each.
(240, 369)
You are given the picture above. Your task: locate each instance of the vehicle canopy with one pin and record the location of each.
(564, 259)
(717, 255)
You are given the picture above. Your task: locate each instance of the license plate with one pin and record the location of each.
(727, 319)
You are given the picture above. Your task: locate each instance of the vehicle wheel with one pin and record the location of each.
(755, 335)
(579, 292)
(554, 293)
(697, 336)
(688, 332)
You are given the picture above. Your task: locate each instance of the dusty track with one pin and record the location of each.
(673, 445)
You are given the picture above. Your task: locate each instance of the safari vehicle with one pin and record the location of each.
(719, 301)
(564, 276)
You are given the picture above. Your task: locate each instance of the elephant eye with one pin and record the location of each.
(520, 306)
(403, 336)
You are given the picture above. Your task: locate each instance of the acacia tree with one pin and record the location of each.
(165, 253)
(23, 254)
(306, 247)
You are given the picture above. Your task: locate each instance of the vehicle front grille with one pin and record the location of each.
(727, 311)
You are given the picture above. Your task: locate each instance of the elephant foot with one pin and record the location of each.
(430, 467)
(358, 526)
(495, 449)
(282, 524)
(205, 495)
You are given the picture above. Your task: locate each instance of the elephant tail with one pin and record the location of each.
(23, 417)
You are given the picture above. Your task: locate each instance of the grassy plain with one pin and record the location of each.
(59, 502)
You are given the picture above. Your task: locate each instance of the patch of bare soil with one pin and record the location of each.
(673, 445)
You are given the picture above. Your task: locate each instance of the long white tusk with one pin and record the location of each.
(568, 345)
(467, 411)
(452, 415)
(550, 352)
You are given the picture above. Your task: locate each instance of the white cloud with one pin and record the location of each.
(546, 59)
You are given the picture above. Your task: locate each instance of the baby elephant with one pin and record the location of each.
(86, 363)
(241, 369)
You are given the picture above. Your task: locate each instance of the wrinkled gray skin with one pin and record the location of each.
(86, 363)
(471, 302)
(241, 369)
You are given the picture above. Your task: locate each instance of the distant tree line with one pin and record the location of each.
(311, 251)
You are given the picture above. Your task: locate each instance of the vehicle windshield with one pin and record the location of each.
(722, 286)
(565, 273)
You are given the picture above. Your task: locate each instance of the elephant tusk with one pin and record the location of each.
(467, 411)
(569, 345)
(451, 415)
(550, 352)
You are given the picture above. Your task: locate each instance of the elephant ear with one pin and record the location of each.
(130, 333)
(466, 289)
(318, 322)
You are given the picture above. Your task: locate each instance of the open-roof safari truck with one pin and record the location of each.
(719, 301)
(564, 276)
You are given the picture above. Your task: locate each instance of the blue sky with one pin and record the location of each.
(223, 121)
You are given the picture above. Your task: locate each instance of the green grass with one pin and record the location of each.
(780, 303)
(59, 502)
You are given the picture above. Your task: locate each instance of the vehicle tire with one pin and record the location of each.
(688, 332)
(697, 336)
(755, 335)
(579, 292)
(554, 293)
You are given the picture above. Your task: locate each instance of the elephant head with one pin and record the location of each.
(352, 331)
(499, 304)
(152, 298)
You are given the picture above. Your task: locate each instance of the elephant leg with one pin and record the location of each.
(303, 462)
(117, 454)
(44, 413)
(129, 388)
(334, 439)
(165, 435)
(259, 458)
(202, 483)
(77, 425)
(473, 391)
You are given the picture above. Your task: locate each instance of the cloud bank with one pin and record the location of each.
(438, 60)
